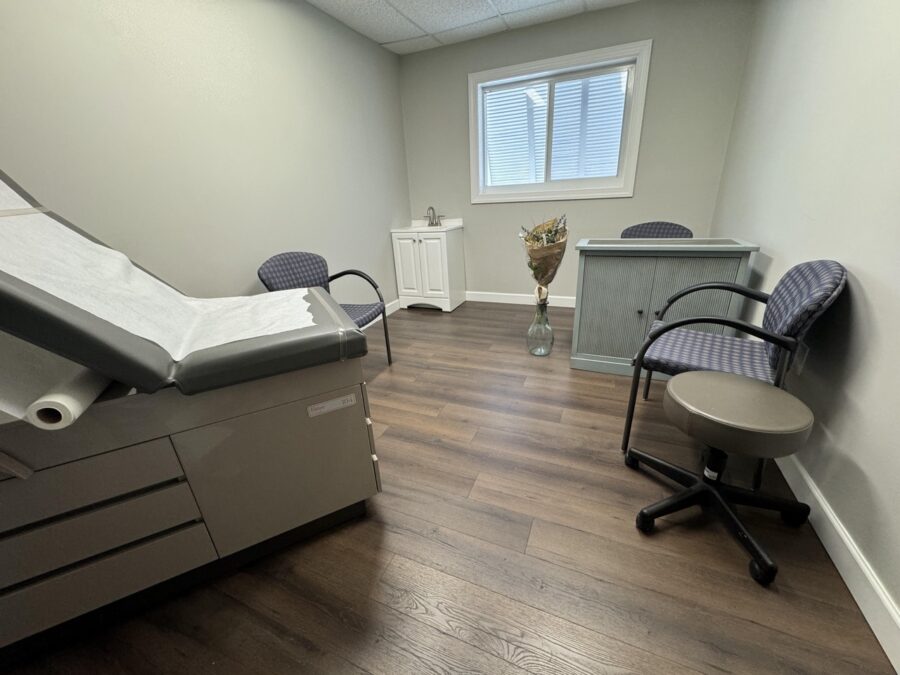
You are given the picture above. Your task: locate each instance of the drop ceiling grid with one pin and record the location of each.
(406, 26)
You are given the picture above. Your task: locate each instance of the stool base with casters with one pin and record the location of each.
(729, 414)
(719, 498)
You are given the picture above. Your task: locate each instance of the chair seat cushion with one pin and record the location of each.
(683, 350)
(364, 314)
(737, 414)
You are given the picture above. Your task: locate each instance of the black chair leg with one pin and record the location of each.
(387, 338)
(647, 384)
(632, 400)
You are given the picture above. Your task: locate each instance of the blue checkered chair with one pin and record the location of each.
(297, 269)
(657, 229)
(798, 299)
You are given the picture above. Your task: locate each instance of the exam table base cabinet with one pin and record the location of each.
(257, 476)
(228, 468)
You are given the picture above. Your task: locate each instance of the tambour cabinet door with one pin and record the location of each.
(676, 273)
(614, 300)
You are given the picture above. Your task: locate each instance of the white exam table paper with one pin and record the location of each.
(10, 199)
(42, 252)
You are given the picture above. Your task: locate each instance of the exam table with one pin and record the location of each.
(149, 434)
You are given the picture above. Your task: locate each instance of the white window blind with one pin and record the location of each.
(588, 115)
(567, 127)
(515, 134)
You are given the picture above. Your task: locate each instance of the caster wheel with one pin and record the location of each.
(644, 522)
(631, 461)
(795, 518)
(762, 575)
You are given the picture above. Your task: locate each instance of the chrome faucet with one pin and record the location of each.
(434, 220)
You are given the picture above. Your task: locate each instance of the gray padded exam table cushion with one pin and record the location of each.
(68, 293)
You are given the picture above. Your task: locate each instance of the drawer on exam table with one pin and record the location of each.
(30, 608)
(80, 535)
(68, 487)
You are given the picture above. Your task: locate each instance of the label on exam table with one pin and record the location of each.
(331, 405)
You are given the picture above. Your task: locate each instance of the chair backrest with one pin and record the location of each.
(657, 229)
(294, 269)
(800, 297)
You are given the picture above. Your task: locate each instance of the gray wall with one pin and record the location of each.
(699, 48)
(200, 137)
(812, 172)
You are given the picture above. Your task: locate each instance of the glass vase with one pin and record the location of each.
(540, 334)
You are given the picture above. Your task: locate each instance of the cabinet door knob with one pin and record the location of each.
(640, 311)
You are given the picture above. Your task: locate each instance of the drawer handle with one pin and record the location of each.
(640, 311)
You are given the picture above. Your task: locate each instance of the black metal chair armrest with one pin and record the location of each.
(751, 293)
(783, 341)
(358, 273)
(789, 344)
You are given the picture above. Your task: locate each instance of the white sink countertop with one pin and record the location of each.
(421, 225)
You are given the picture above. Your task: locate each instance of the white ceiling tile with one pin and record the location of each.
(551, 12)
(472, 31)
(441, 15)
(603, 4)
(406, 26)
(415, 45)
(375, 19)
(507, 6)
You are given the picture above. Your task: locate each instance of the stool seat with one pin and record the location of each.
(738, 414)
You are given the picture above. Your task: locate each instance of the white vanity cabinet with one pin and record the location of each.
(430, 265)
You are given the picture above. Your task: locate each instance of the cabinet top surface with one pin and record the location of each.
(446, 225)
(651, 246)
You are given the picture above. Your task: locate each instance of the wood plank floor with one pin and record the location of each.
(504, 542)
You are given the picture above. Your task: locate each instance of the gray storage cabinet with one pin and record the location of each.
(623, 283)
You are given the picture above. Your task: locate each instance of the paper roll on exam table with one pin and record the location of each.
(46, 390)
(226, 421)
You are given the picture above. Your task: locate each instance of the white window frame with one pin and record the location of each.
(634, 56)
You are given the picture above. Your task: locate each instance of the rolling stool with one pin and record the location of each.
(731, 414)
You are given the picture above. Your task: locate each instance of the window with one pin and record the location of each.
(563, 128)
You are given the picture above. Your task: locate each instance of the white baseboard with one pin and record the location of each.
(874, 600)
(519, 298)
